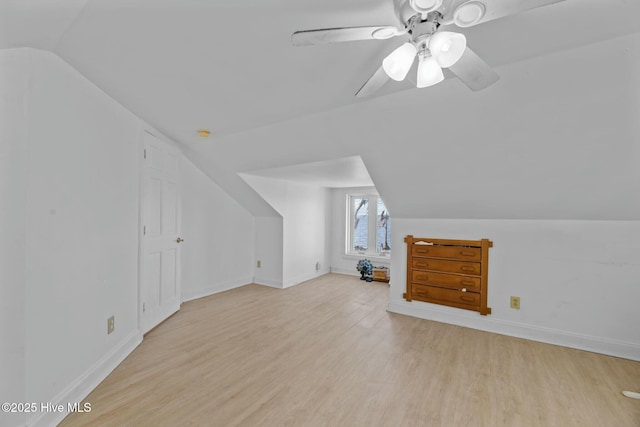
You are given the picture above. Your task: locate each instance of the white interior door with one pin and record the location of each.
(161, 226)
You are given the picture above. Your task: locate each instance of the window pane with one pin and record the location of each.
(360, 230)
(383, 236)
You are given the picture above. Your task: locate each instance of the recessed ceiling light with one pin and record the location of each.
(469, 13)
(204, 133)
(384, 33)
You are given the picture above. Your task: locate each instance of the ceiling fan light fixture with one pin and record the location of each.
(447, 47)
(398, 62)
(429, 71)
(384, 33)
(425, 6)
(469, 13)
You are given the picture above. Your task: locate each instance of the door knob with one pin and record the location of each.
(178, 240)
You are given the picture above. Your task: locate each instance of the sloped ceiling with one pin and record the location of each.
(338, 173)
(229, 66)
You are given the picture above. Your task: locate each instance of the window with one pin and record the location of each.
(369, 225)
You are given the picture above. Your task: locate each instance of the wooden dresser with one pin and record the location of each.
(448, 272)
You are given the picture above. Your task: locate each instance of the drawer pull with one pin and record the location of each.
(467, 299)
(467, 282)
(422, 264)
(464, 253)
(463, 290)
(467, 268)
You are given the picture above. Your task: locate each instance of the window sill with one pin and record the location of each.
(370, 257)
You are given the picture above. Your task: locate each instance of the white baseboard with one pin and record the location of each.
(304, 277)
(268, 282)
(339, 270)
(621, 349)
(83, 385)
(214, 289)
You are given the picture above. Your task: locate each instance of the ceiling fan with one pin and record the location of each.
(420, 22)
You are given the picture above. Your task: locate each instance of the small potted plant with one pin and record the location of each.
(365, 268)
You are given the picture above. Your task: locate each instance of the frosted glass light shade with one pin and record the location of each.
(447, 47)
(398, 62)
(429, 72)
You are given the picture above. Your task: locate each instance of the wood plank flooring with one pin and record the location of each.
(326, 353)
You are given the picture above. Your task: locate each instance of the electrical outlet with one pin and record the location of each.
(515, 303)
(318, 266)
(111, 324)
(259, 264)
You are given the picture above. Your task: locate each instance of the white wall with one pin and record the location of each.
(305, 237)
(340, 262)
(219, 237)
(579, 281)
(268, 250)
(81, 230)
(304, 219)
(13, 159)
(70, 167)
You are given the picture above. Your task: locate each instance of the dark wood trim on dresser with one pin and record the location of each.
(448, 272)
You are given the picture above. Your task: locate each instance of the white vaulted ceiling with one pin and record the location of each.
(229, 66)
(338, 173)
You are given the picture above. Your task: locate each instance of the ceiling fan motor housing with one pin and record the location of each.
(421, 30)
(426, 27)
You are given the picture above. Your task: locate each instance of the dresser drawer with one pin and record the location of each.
(472, 284)
(448, 272)
(439, 295)
(452, 252)
(446, 266)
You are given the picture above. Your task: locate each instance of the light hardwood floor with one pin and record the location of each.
(326, 353)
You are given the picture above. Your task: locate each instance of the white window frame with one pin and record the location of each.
(372, 226)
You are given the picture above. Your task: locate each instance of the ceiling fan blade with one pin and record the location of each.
(473, 71)
(498, 8)
(375, 82)
(334, 35)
